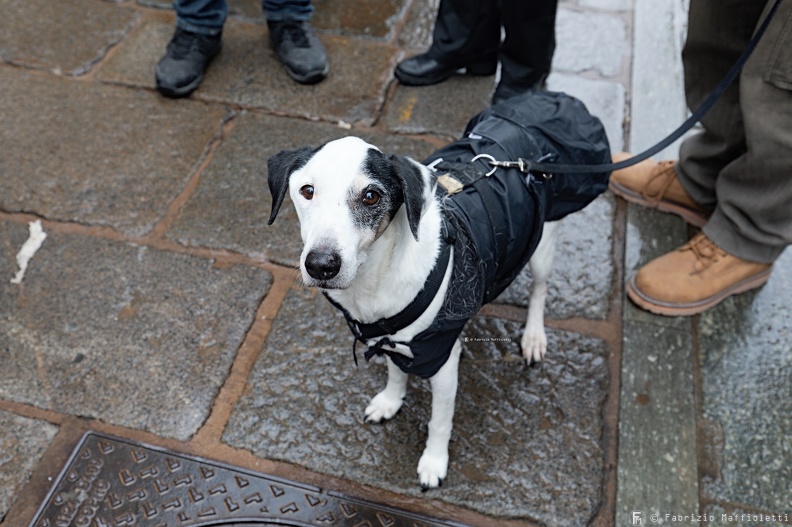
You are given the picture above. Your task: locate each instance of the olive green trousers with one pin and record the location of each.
(740, 165)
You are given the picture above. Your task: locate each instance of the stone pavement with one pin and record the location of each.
(161, 309)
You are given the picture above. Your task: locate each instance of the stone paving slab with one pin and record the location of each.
(582, 280)
(359, 18)
(745, 354)
(232, 204)
(426, 109)
(602, 50)
(658, 104)
(657, 470)
(22, 443)
(247, 73)
(527, 441)
(122, 333)
(96, 154)
(78, 33)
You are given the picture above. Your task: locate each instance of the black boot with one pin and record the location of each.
(181, 70)
(299, 50)
(423, 70)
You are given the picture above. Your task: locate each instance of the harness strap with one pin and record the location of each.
(497, 218)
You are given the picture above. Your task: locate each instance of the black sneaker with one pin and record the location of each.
(299, 50)
(181, 70)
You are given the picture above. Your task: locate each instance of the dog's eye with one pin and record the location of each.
(370, 197)
(307, 191)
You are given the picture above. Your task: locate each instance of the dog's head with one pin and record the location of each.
(346, 194)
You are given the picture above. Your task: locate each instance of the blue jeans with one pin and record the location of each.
(207, 17)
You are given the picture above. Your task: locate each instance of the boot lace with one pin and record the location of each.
(665, 176)
(705, 250)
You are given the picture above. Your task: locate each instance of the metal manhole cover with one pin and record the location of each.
(112, 482)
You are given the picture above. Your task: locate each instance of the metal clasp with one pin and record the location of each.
(492, 162)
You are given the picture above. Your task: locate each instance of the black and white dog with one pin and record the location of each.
(408, 265)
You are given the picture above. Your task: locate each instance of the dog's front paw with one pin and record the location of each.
(432, 469)
(383, 406)
(534, 344)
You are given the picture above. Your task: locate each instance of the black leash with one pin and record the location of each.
(527, 166)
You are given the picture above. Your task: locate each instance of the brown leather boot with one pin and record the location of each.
(655, 185)
(694, 278)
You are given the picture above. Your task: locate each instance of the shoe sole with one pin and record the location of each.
(685, 309)
(474, 70)
(690, 216)
(308, 78)
(178, 93)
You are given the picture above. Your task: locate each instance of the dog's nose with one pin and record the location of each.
(323, 265)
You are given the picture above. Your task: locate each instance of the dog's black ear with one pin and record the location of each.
(280, 168)
(412, 183)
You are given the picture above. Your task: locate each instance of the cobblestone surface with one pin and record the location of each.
(122, 333)
(96, 154)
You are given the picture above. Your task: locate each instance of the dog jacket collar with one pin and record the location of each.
(388, 326)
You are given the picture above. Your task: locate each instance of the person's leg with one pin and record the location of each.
(294, 41)
(527, 50)
(739, 165)
(204, 17)
(279, 10)
(753, 217)
(195, 42)
(467, 34)
(466, 30)
(718, 31)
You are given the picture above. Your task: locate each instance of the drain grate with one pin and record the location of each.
(112, 482)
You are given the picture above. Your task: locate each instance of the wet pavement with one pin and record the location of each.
(161, 310)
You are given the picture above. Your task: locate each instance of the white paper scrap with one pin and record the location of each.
(29, 249)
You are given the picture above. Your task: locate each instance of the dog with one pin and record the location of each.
(409, 263)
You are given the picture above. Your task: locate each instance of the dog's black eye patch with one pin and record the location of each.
(380, 169)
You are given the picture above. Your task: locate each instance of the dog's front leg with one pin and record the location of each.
(385, 404)
(534, 339)
(433, 465)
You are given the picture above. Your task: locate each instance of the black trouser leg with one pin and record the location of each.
(527, 50)
(466, 31)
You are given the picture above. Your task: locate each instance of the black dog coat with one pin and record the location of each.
(494, 223)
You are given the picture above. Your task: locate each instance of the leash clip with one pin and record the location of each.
(523, 165)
